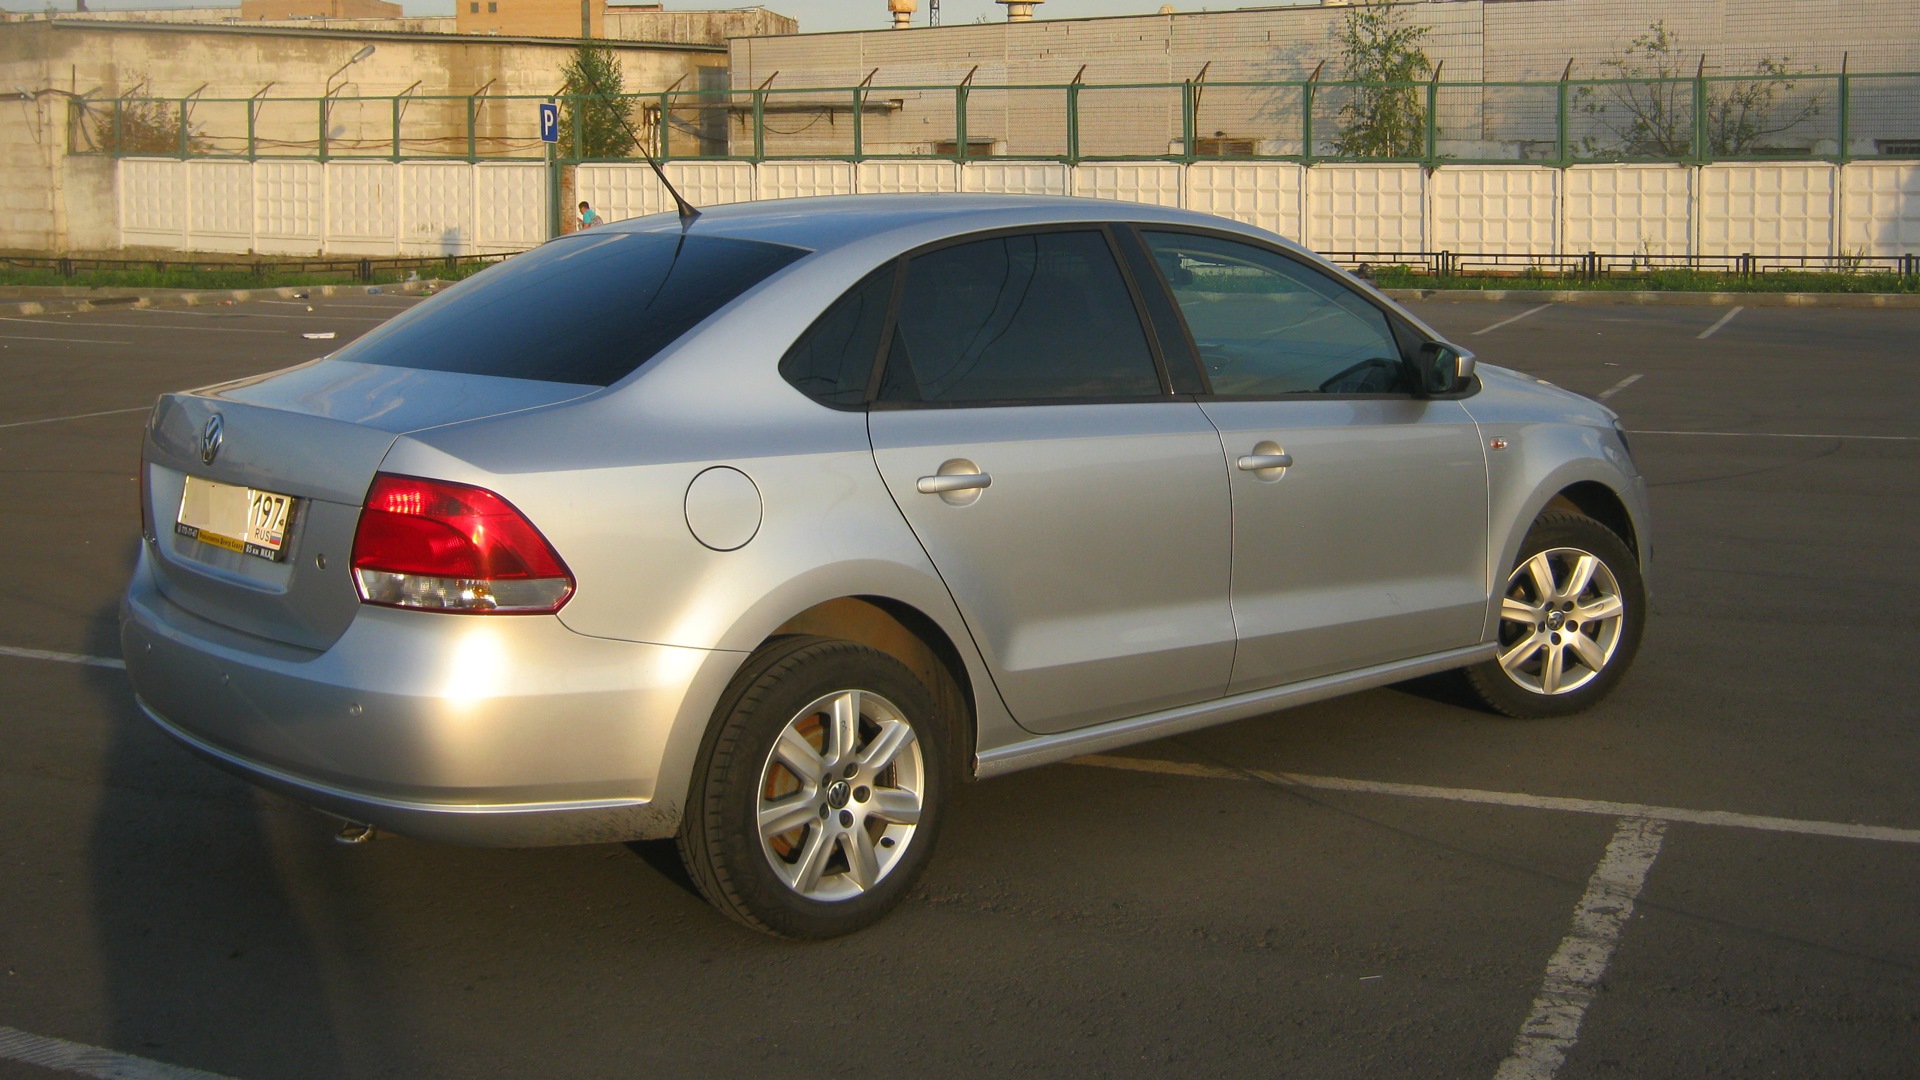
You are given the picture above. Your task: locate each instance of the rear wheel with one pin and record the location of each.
(818, 796)
(1570, 620)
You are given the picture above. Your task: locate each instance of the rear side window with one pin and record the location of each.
(589, 309)
(1013, 319)
(833, 360)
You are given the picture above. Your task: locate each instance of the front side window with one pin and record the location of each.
(1267, 325)
(1036, 317)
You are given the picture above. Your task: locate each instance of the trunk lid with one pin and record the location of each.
(317, 433)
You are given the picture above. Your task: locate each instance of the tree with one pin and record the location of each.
(1386, 114)
(1649, 107)
(146, 125)
(592, 105)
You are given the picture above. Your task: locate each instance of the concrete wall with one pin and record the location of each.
(56, 60)
(558, 19)
(255, 10)
(383, 208)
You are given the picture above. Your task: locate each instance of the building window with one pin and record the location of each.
(492, 6)
(473, 8)
(976, 148)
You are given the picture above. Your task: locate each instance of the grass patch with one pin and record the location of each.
(1781, 281)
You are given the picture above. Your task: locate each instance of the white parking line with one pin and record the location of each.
(1724, 320)
(1515, 319)
(1722, 818)
(64, 340)
(63, 657)
(75, 416)
(73, 1057)
(1778, 435)
(1553, 1026)
(1619, 386)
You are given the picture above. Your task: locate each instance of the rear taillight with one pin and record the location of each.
(452, 547)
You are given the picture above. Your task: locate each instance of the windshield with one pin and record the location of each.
(587, 309)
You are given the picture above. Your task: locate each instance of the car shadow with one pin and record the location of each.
(212, 910)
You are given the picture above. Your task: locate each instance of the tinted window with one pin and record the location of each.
(1018, 318)
(833, 360)
(1266, 324)
(586, 309)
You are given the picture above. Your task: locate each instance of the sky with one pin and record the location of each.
(814, 15)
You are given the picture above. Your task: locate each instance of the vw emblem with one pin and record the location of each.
(210, 439)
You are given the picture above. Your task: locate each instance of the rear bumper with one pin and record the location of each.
(492, 730)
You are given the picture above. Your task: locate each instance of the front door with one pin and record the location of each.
(1359, 509)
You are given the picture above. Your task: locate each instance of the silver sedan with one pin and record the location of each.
(763, 531)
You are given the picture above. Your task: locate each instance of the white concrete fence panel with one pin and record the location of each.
(383, 208)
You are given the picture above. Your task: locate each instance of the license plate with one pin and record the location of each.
(239, 519)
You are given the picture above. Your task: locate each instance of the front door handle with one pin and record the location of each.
(1257, 462)
(940, 485)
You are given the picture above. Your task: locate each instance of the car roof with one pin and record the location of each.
(825, 223)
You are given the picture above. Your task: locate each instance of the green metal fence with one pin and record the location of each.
(1813, 117)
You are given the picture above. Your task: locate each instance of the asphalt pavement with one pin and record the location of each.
(1715, 873)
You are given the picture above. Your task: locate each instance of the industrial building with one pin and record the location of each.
(1474, 46)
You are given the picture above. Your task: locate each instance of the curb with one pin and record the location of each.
(1661, 299)
(201, 297)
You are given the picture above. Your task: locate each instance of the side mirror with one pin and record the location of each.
(1444, 368)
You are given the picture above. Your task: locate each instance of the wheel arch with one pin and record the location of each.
(1602, 504)
(914, 638)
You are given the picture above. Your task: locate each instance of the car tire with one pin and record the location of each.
(1569, 627)
(838, 750)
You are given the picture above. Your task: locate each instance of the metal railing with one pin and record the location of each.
(1595, 266)
(1708, 118)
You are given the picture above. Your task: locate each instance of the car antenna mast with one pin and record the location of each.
(687, 210)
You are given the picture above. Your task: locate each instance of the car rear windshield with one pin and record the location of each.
(586, 309)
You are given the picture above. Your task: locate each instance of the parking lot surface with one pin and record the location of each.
(1714, 873)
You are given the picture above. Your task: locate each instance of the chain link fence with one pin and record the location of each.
(1818, 117)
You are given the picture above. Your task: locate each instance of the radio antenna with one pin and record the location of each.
(687, 210)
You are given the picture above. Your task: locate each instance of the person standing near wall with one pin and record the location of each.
(588, 219)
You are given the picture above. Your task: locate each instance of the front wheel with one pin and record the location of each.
(1570, 620)
(818, 796)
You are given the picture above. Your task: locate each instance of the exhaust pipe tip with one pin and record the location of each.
(355, 832)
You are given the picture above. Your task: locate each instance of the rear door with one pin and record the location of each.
(1077, 510)
(1359, 509)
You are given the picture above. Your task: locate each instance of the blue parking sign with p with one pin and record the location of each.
(549, 122)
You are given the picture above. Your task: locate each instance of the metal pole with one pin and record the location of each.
(1701, 144)
(1188, 118)
(1561, 145)
(323, 129)
(183, 129)
(1845, 154)
(960, 123)
(473, 146)
(396, 128)
(859, 93)
(759, 125)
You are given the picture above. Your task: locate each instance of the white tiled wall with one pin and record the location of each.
(443, 208)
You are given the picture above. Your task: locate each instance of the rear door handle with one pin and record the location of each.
(946, 482)
(1257, 462)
